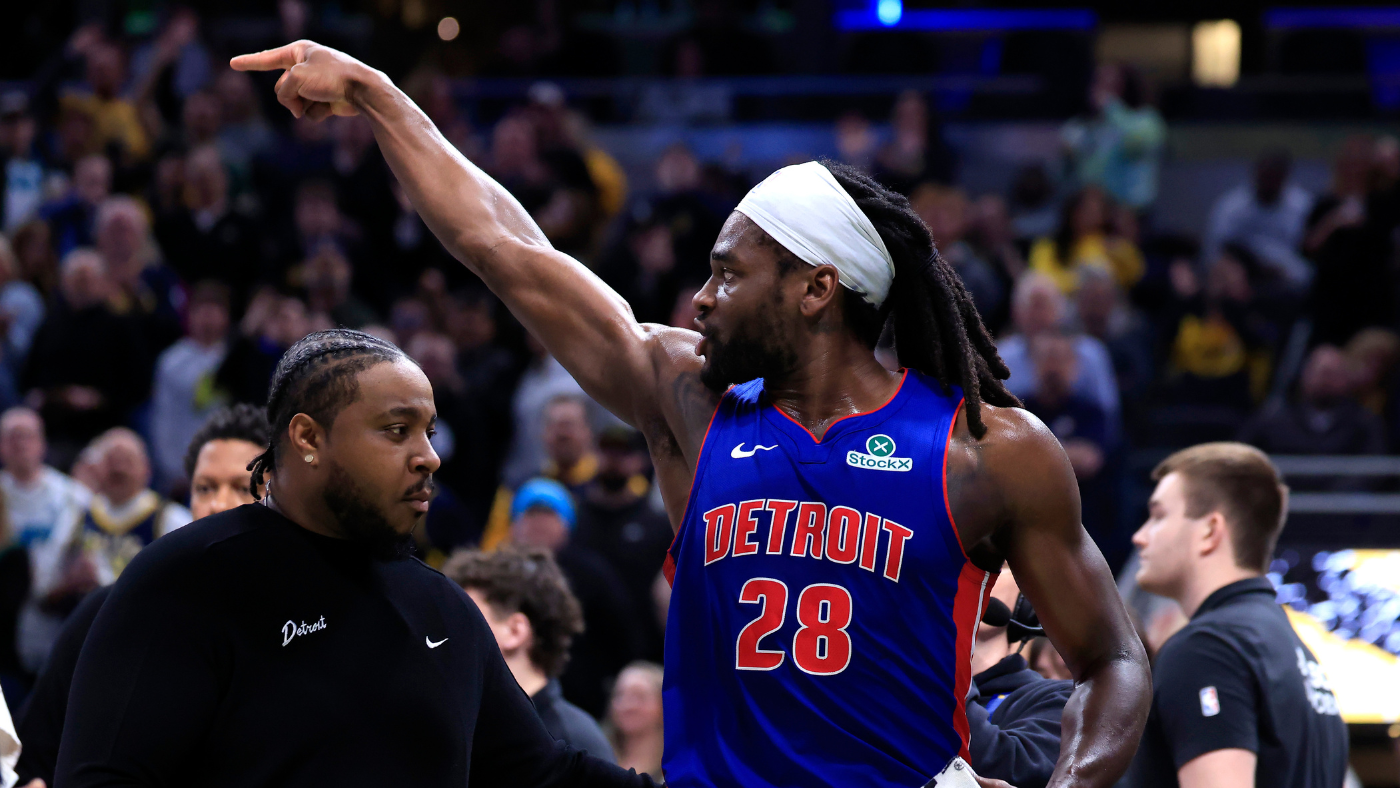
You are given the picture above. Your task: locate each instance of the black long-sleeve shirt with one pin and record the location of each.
(246, 650)
(1014, 723)
(40, 720)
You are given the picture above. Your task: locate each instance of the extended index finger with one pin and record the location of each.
(269, 59)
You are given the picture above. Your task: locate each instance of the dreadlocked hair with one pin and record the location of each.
(935, 324)
(317, 376)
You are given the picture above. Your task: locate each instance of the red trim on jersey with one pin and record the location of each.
(947, 506)
(898, 389)
(669, 567)
(974, 587)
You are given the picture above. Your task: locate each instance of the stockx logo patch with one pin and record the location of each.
(879, 456)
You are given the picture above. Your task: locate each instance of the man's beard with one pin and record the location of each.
(754, 350)
(359, 520)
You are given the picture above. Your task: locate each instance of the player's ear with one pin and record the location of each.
(822, 282)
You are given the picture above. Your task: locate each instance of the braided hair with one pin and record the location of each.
(936, 327)
(317, 376)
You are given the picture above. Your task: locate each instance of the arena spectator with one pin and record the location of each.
(1034, 209)
(1373, 354)
(916, 151)
(327, 278)
(115, 117)
(642, 268)
(1077, 421)
(143, 287)
(21, 310)
(686, 203)
(89, 366)
(175, 54)
(1349, 241)
(1119, 146)
(199, 121)
(243, 132)
(618, 521)
(183, 394)
(856, 141)
(527, 603)
(543, 380)
(1266, 216)
(38, 264)
(1084, 239)
(481, 419)
(272, 324)
(90, 550)
(514, 161)
(71, 217)
(206, 238)
(1325, 418)
(1037, 306)
(993, 238)
(1216, 337)
(37, 497)
(1237, 697)
(22, 172)
(567, 438)
(123, 516)
(543, 516)
(1014, 713)
(635, 718)
(945, 211)
(1106, 315)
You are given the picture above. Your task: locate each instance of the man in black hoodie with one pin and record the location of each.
(1012, 712)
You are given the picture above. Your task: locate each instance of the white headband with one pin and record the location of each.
(807, 211)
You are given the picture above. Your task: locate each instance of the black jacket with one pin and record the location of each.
(1018, 740)
(570, 724)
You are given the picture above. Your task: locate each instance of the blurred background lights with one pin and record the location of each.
(1215, 53)
(889, 12)
(448, 28)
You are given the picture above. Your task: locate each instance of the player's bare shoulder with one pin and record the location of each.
(683, 402)
(993, 479)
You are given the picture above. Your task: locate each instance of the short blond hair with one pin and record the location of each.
(1241, 483)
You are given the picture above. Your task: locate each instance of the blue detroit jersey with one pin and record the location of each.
(822, 611)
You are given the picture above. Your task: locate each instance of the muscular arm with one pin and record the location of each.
(626, 367)
(1029, 515)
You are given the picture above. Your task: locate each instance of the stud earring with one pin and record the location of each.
(309, 457)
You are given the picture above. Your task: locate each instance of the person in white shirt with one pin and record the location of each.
(37, 497)
(184, 382)
(1266, 216)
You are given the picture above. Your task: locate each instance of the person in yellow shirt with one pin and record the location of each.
(1084, 239)
(116, 118)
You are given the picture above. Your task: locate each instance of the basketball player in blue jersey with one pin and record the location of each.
(839, 525)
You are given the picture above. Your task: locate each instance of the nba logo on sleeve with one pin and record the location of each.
(1210, 702)
(879, 456)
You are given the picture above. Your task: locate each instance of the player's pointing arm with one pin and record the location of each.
(583, 322)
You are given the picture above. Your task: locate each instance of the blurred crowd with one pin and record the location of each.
(168, 231)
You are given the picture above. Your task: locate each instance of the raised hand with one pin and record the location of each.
(319, 81)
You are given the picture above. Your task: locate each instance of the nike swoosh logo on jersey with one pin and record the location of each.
(738, 453)
(431, 644)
